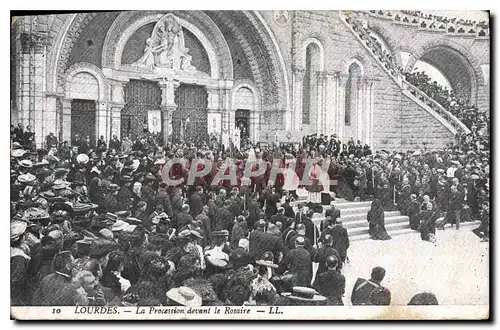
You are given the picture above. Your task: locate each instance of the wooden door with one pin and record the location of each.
(190, 120)
(83, 113)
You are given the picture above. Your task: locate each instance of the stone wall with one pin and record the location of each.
(398, 122)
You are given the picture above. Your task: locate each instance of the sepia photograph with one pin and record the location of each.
(250, 165)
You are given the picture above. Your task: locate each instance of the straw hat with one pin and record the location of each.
(217, 258)
(17, 228)
(303, 294)
(119, 225)
(17, 153)
(185, 296)
(26, 163)
(82, 159)
(26, 178)
(60, 184)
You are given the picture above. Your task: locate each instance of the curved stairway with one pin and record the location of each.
(362, 34)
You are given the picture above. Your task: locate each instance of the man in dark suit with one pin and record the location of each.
(260, 242)
(196, 202)
(332, 213)
(323, 253)
(280, 216)
(331, 283)
(312, 232)
(455, 204)
(363, 289)
(289, 213)
(299, 263)
(47, 292)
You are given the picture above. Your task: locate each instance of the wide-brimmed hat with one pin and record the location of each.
(133, 221)
(82, 159)
(26, 178)
(123, 214)
(150, 176)
(44, 162)
(34, 214)
(474, 177)
(219, 233)
(119, 225)
(185, 296)
(187, 233)
(17, 153)
(84, 207)
(60, 215)
(122, 156)
(102, 222)
(16, 145)
(106, 233)
(60, 184)
(160, 161)
(100, 247)
(126, 178)
(113, 187)
(26, 163)
(17, 228)
(217, 258)
(267, 260)
(111, 216)
(303, 294)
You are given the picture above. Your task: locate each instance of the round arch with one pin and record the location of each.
(456, 63)
(255, 92)
(221, 64)
(91, 69)
(347, 65)
(318, 43)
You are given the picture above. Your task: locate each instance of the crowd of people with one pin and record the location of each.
(102, 227)
(467, 114)
(454, 25)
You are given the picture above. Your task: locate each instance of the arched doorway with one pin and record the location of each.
(84, 91)
(244, 117)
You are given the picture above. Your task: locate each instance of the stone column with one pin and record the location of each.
(103, 120)
(331, 103)
(66, 120)
(297, 81)
(116, 95)
(168, 106)
(369, 112)
(31, 64)
(321, 123)
(341, 89)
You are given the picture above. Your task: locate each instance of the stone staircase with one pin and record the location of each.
(361, 33)
(354, 219)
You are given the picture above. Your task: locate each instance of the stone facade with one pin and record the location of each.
(263, 52)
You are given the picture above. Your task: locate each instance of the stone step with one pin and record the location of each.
(388, 226)
(408, 230)
(364, 223)
(318, 217)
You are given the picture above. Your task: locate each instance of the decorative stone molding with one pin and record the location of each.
(196, 22)
(93, 70)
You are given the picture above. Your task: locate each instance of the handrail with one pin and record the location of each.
(400, 79)
(440, 109)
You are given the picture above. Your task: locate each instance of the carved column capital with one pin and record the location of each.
(299, 73)
(343, 79)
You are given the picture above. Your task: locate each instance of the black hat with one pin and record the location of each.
(100, 247)
(126, 178)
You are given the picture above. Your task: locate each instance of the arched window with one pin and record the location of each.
(310, 85)
(351, 93)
